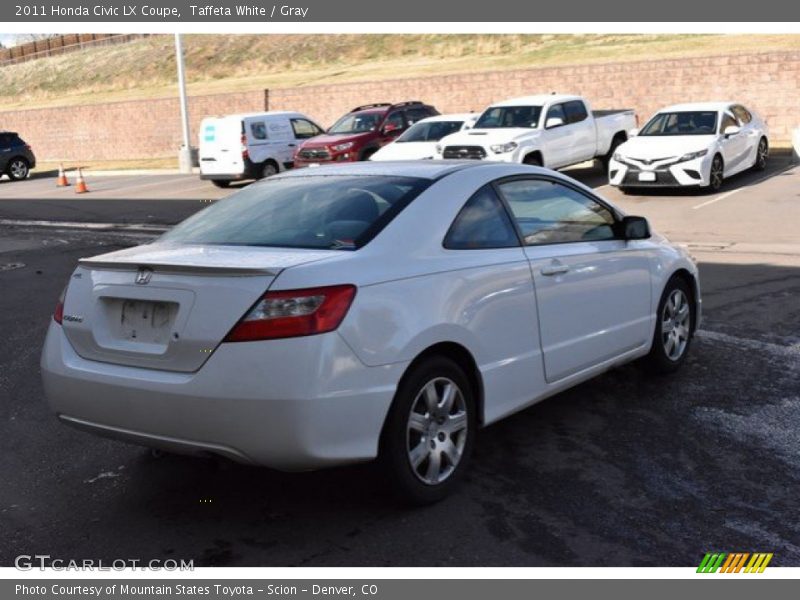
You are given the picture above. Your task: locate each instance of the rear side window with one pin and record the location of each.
(547, 212)
(483, 223)
(417, 114)
(258, 130)
(315, 211)
(10, 139)
(395, 119)
(575, 111)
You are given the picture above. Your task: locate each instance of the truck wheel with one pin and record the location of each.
(221, 183)
(429, 432)
(615, 143)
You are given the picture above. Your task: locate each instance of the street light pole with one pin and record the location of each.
(185, 154)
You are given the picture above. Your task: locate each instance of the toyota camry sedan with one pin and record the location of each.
(694, 145)
(372, 310)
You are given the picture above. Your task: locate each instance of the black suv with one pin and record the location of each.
(16, 157)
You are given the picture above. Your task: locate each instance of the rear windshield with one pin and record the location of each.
(498, 117)
(431, 131)
(701, 122)
(319, 211)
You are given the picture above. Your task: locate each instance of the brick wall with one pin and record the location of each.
(119, 130)
(769, 82)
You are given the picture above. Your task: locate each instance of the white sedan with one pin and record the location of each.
(323, 317)
(418, 142)
(696, 144)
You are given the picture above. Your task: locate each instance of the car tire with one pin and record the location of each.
(429, 432)
(18, 169)
(615, 143)
(762, 154)
(533, 161)
(674, 328)
(221, 183)
(268, 169)
(367, 153)
(716, 174)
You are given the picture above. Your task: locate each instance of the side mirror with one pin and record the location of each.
(634, 228)
(731, 130)
(390, 128)
(633, 132)
(553, 122)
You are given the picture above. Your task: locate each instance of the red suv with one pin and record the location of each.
(361, 132)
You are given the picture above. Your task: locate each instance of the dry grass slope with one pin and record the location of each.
(226, 63)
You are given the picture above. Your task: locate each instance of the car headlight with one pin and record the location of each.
(692, 155)
(618, 157)
(342, 147)
(503, 148)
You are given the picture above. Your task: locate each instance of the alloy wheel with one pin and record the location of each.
(716, 174)
(436, 431)
(18, 169)
(675, 324)
(762, 154)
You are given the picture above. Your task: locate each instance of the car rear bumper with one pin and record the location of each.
(293, 404)
(693, 173)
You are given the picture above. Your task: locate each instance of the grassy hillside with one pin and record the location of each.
(223, 63)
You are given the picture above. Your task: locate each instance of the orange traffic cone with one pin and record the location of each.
(62, 177)
(80, 183)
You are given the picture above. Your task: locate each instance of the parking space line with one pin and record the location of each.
(744, 187)
(717, 198)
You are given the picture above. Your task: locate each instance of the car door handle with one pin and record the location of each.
(292, 145)
(555, 270)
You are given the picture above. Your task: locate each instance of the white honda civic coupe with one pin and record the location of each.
(335, 315)
(696, 145)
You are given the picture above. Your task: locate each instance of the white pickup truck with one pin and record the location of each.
(554, 130)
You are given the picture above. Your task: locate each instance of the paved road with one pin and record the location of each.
(623, 470)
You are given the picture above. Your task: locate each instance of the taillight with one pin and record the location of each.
(58, 313)
(294, 313)
(243, 140)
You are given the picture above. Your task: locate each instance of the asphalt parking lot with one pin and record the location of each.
(624, 470)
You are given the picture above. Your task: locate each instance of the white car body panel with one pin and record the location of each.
(653, 154)
(308, 402)
(562, 146)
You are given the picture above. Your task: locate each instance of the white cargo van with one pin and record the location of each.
(251, 145)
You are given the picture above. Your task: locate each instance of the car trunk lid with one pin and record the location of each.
(168, 307)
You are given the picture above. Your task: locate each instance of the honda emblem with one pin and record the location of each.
(143, 276)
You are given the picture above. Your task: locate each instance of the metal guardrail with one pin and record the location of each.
(62, 44)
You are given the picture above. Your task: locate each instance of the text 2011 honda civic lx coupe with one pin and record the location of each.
(344, 313)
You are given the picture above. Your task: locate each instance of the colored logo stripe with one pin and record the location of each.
(734, 562)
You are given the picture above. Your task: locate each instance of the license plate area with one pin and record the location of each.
(141, 321)
(647, 176)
